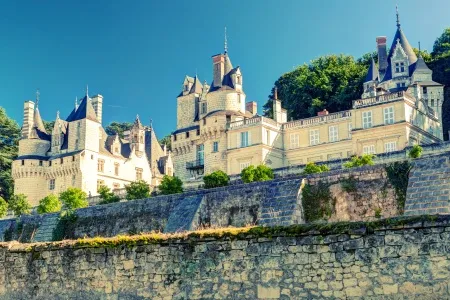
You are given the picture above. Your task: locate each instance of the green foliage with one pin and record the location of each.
(330, 82)
(166, 141)
(358, 161)
(49, 204)
(442, 44)
(3, 207)
(317, 202)
(118, 128)
(378, 211)
(107, 195)
(137, 190)
(64, 226)
(216, 179)
(349, 184)
(49, 126)
(260, 173)
(9, 138)
(415, 152)
(312, 168)
(73, 198)
(170, 185)
(19, 205)
(398, 176)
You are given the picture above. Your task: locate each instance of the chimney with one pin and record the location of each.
(218, 69)
(323, 113)
(382, 54)
(97, 103)
(28, 115)
(275, 93)
(252, 107)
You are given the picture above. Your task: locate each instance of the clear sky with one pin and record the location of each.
(136, 53)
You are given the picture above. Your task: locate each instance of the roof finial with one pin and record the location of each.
(419, 47)
(37, 97)
(275, 93)
(398, 18)
(87, 92)
(76, 103)
(151, 123)
(57, 114)
(226, 43)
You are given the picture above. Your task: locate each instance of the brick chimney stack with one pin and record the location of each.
(323, 113)
(382, 54)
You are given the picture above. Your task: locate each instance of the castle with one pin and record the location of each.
(217, 130)
(79, 153)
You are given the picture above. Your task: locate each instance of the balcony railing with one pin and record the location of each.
(316, 120)
(252, 121)
(382, 99)
(196, 164)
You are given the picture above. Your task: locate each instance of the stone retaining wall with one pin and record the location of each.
(409, 259)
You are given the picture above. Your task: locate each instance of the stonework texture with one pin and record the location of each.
(397, 262)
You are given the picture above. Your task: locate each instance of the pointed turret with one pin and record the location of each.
(197, 87)
(372, 73)
(84, 111)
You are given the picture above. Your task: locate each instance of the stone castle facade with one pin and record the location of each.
(79, 153)
(217, 130)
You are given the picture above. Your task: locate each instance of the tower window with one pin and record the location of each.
(40, 163)
(204, 108)
(23, 162)
(187, 134)
(399, 67)
(116, 169)
(101, 165)
(425, 90)
(216, 147)
(139, 172)
(61, 160)
(51, 184)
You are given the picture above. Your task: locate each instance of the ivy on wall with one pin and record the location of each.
(398, 175)
(317, 201)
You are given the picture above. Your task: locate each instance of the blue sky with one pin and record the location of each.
(136, 53)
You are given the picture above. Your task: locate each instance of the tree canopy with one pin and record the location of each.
(118, 128)
(9, 136)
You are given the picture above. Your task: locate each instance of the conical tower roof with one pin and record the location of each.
(403, 41)
(85, 111)
(372, 73)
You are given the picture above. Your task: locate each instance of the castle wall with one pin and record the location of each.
(186, 110)
(408, 259)
(226, 100)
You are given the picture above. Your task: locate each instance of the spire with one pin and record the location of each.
(57, 115)
(372, 73)
(37, 97)
(225, 42)
(275, 93)
(398, 17)
(76, 103)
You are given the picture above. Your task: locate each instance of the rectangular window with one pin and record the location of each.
(101, 165)
(390, 147)
(73, 158)
(425, 90)
(295, 140)
(349, 130)
(100, 183)
(244, 165)
(51, 184)
(388, 113)
(40, 163)
(333, 132)
(216, 147)
(204, 108)
(244, 139)
(399, 67)
(201, 153)
(116, 169)
(62, 160)
(432, 102)
(139, 173)
(50, 163)
(367, 119)
(370, 149)
(73, 180)
(187, 134)
(116, 186)
(314, 137)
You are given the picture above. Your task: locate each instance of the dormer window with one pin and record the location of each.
(399, 67)
(186, 88)
(204, 108)
(239, 79)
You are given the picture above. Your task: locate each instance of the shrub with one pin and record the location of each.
(349, 184)
(19, 205)
(3, 207)
(317, 202)
(312, 168)
(137, 190)
(358, 161)
(378, 212)
(415, 152)
(260, 173)
(398, 175)
(73, 198)
(171, 185)
(49, 204)
(107, 195)
(216, 179)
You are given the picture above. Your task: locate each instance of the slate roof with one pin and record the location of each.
(181, 130)
(84, 111)
(372, 73)
(421, 66)
(48, 157)
(197, 87)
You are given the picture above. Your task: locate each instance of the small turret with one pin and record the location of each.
(137, 136)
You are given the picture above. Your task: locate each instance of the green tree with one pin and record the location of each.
(216, 179)
(49, 204)
(330, 82)
(171, 185)
(19, 205)
(137, 190)
(259, 173)
(49, 126)
(415, 152)
(118, 128)
(3, 207)
(73, 198)
(107, 195)
(9, 137)
(442, 44)
(166, 141)
(312, 168)
(359, 161)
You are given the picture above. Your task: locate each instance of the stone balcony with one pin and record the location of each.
(342, 115)
(252, 122)
(386, 98)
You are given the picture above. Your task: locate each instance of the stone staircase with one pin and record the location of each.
(45, 231)
(281, 205)
(182, 216)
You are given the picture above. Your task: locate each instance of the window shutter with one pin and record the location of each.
(238, 141)
(249, 138)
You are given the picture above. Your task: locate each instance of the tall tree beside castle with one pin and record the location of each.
(9, 135)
